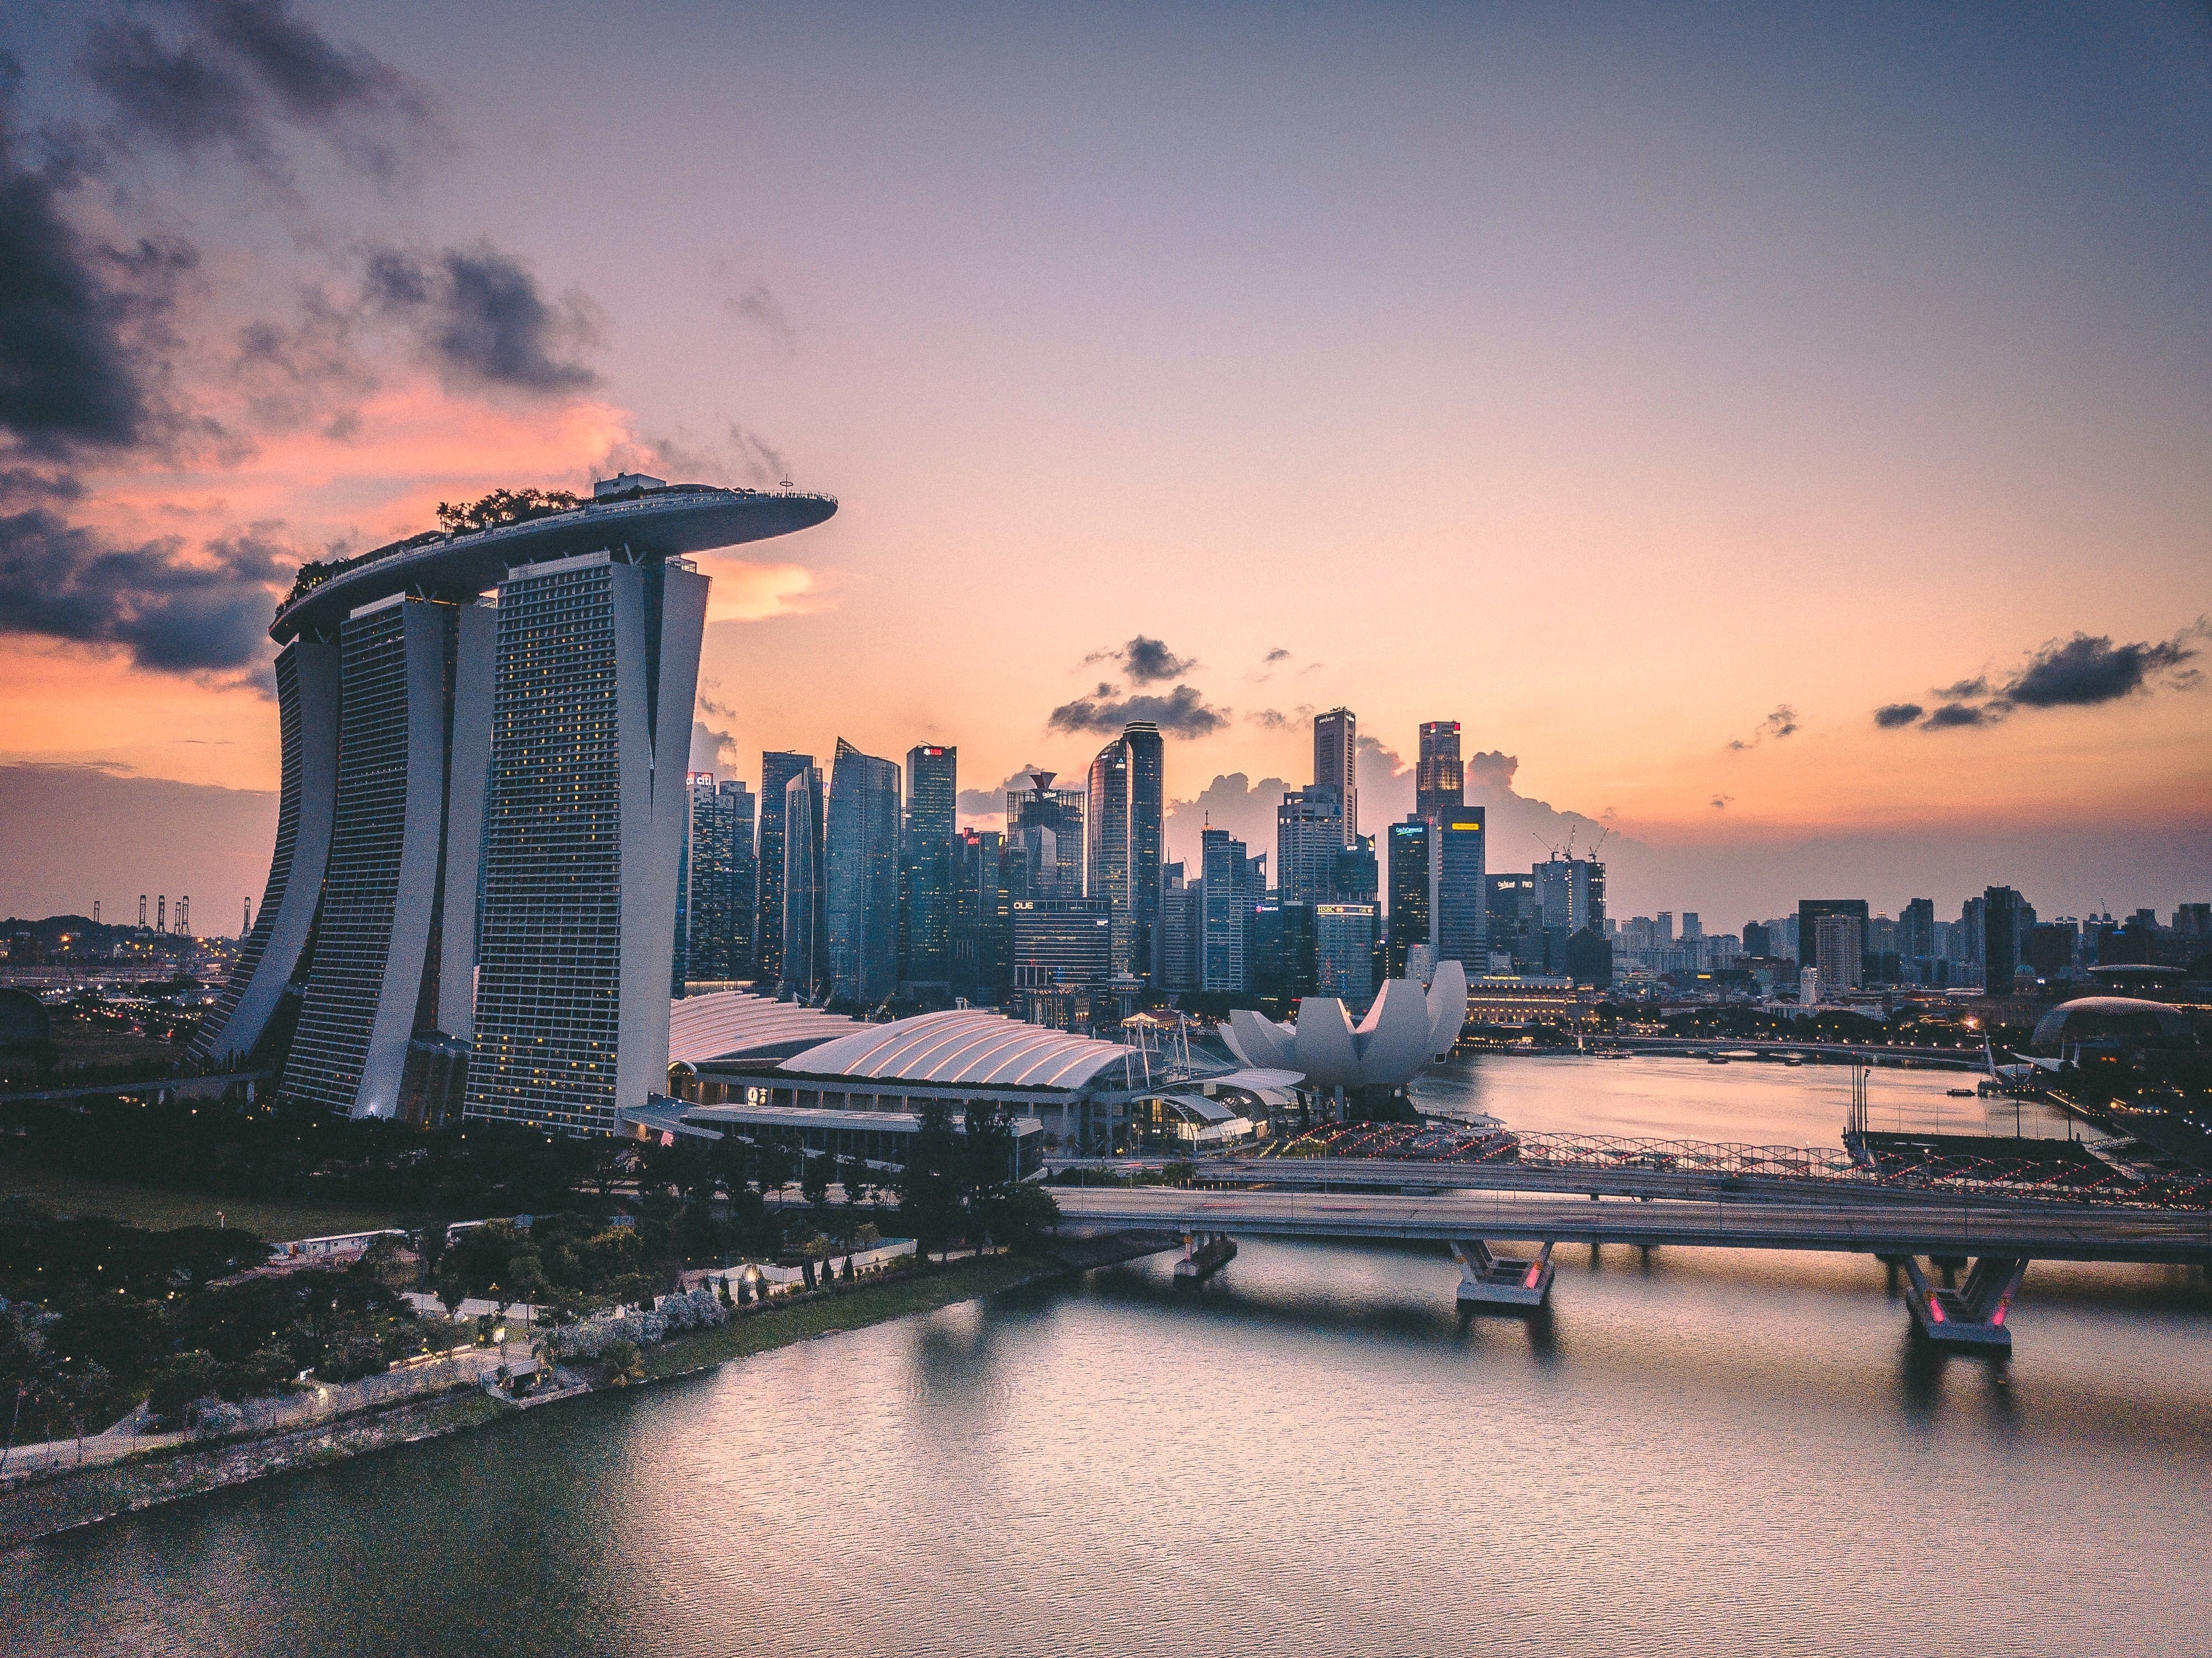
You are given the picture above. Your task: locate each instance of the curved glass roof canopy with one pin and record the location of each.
(967, 1046)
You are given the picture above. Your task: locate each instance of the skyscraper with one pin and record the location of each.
(1182, 926)
(1061, 811)
(862, 865)
(1440, 780)
(598, 665)
(1336, 764)
(981, 936)
(494, 796)
(1308, 834)
(1462, 925)
(778, 767)
(1107, 855)
(1344, 953)
(1412, 881)
(1838, 945)
(307, 728)
(805, 920)
(925, 857)
(1147, 844)
(1810, 912)
(415, 699)
(2006, 919)
(722, 902)
(1223, 909)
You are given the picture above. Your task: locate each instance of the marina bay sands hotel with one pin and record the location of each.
(485, 739)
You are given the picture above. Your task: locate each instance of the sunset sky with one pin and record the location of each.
(1783, 440)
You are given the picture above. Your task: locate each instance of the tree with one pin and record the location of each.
(929, 1186)
(814, 1179)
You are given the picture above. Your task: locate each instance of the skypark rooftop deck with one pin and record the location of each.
(661, 523)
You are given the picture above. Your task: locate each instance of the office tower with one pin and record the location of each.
(806, 919)
(1462, 918)
(1336, 764)
(1413, 880)
(1344, 953)
(1916, 931)
(1061, 941)
(400, 886)
(1664, 930)
(778, 767)
(1355, 876)
(1512, 917)
(1810, 912)
(307, 731)
(1224, 908)
(1563, 898)
(1148, 844)
(1041, 806)
(862, 864)
(2006, 919)
(1691, 926)
(722, 902)
(1839, 944)
(1107, 855)
(926, 858)
(598, 665)
(1308, 834)
(1755, 940)
(1440, 780)
(980, 908)
(1181, 928)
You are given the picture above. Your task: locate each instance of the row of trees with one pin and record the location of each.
(95, 1316)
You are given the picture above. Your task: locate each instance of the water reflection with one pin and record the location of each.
(1690, 1452)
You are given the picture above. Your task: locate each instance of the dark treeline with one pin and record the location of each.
(289, 1152)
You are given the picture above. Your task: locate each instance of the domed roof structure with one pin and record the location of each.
(2089, 1017)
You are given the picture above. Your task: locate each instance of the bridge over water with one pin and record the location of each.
(2000, 1235)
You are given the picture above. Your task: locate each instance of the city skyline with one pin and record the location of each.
(1739, 502)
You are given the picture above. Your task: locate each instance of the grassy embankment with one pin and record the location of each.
(865, 1303)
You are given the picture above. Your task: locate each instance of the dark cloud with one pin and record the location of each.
(168, 611)
(1273, 720)
(1373, 753)
(1720, 802)
(1781, 723)
(478, 315)
(236, 71)
(758, 461)
(67, 375)
(1279, 654)
(1149, 661)
(2085, 671)
(2081, 672)
(1954, 715)
(1183, 712)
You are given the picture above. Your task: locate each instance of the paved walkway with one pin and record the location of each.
(314, 1403)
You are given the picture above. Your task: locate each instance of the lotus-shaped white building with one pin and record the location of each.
(1402, 1032)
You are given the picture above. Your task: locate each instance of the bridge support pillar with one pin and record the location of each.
(1971, 1318)
(1204, 1254)
(1501, 1281)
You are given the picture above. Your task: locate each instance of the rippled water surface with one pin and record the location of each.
(1696, 1453)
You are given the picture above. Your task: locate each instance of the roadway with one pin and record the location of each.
(190, 1084)
(2041, 1232)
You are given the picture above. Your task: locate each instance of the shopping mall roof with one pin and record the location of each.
(971, 1047)
(735, 1024)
